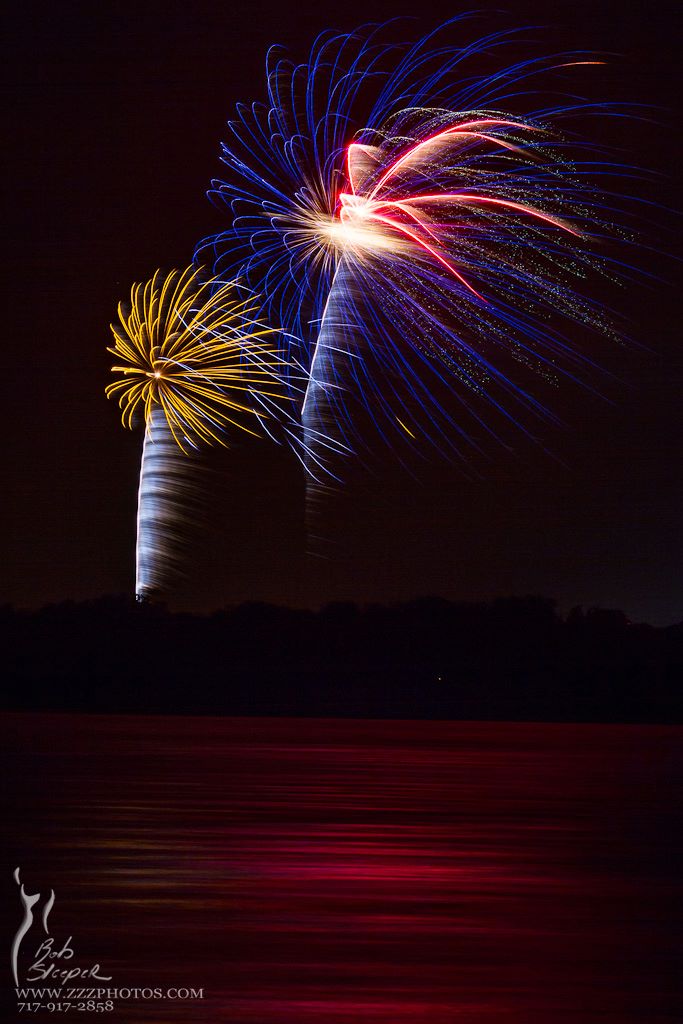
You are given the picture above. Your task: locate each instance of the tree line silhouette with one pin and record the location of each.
(508, 659)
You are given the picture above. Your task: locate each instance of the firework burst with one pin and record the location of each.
(194, 361)
(420, 238)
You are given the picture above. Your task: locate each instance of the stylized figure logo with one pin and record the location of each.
(29, 901)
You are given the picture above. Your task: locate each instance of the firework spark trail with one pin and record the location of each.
(194, 361)
(332, 364)
(164, 498)
(422, 240)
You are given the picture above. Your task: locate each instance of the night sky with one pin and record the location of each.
(115, 115)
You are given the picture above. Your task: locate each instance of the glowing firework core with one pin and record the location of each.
(358, 226)
(355, 206)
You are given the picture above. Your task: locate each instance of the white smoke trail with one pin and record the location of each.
(332, 386)
(164, 499)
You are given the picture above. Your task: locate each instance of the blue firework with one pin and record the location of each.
(420, 231)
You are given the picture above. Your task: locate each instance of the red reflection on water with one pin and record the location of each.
(376, 872)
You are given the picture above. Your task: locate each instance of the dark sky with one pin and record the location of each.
(115, 113)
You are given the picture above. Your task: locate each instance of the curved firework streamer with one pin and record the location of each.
(420, 241)
(165, 495)
(194, 361)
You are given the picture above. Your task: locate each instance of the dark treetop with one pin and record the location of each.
(510, 659)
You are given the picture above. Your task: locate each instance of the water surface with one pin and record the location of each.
(325, 872)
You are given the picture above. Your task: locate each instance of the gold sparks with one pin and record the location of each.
(195, 350)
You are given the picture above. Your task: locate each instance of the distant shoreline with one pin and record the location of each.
(512, 659)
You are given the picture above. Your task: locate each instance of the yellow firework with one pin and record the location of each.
(194, 351)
